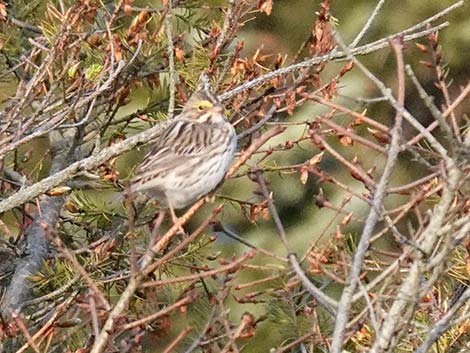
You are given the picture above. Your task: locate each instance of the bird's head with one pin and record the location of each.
(203, 108)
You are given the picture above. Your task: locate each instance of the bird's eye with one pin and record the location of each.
(203, 105)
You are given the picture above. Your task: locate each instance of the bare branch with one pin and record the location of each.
(171, 61)
(374, 214)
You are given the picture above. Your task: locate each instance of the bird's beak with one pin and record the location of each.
(217, 109)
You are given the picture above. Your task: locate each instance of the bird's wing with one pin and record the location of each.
(181, 142)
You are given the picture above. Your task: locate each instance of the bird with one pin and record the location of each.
(190, 157)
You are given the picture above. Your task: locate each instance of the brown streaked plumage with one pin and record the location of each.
(190, 157)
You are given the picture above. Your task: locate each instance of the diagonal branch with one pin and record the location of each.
(374, 214)
(329, 303)
(441, 326)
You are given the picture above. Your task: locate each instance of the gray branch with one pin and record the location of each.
(37, 244)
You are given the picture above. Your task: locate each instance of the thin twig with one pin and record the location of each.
(291, 345)
(199, 339)
(60, 309)
(428, 101)
(465, 92)
(368, 24)
(178, 339)
(330, 304)
(21, 325)
(268, 116)
(321, 297)
(76, 265)
(272, 209)
(220, 226)
(165, 311)
(374, 214)
(203, 274)
(171, 61)
(25, 25)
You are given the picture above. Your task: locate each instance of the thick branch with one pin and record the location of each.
(37, 247)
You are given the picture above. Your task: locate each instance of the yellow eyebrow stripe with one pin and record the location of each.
(203, 104)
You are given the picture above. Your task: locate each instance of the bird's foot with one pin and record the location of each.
(210, 198)
(175, 221)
